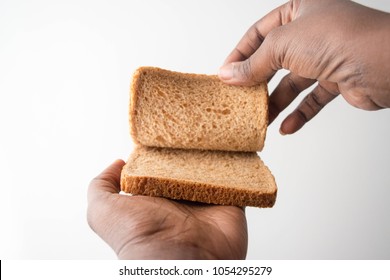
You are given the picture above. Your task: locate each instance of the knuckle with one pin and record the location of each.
(274, 35)
(292, 85)
(311, 105)
(302, 115)
(315, 102)
(244, 70)
(254, 37)
(274, 43)
(247, 69)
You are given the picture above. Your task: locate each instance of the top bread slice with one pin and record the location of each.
(194, 111)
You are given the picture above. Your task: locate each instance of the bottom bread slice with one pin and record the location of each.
(217, 177)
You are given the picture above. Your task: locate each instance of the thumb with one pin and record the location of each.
(261, 65)
(107, 182)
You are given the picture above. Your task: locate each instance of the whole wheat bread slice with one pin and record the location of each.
(197, 140)
(194, 111)
(218, 177)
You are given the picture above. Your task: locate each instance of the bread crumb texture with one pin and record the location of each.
(193, 111)
(217, 177)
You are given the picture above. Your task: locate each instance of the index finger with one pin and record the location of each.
(255, 35)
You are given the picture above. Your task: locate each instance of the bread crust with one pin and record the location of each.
(135, 84)
(196, 191)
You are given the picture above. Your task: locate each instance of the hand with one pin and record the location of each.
(142, 227)
(342, 45)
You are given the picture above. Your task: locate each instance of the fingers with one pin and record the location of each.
(310, 106)
(258, 55)
(263, 64)
(106, 182)
(286, 91)
(255, 35)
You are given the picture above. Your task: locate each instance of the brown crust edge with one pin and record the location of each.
(135, 83)
(264, 87)
(187, 190)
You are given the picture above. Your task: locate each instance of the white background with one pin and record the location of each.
(65, 69)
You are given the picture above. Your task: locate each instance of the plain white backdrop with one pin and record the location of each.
(65, 69)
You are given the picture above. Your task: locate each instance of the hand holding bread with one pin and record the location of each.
(340, 45)
(144, 227)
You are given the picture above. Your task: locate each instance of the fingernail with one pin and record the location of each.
(281, 132)
(226, 72)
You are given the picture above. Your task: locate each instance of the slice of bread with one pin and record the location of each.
(218, 177)
(191, 111)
